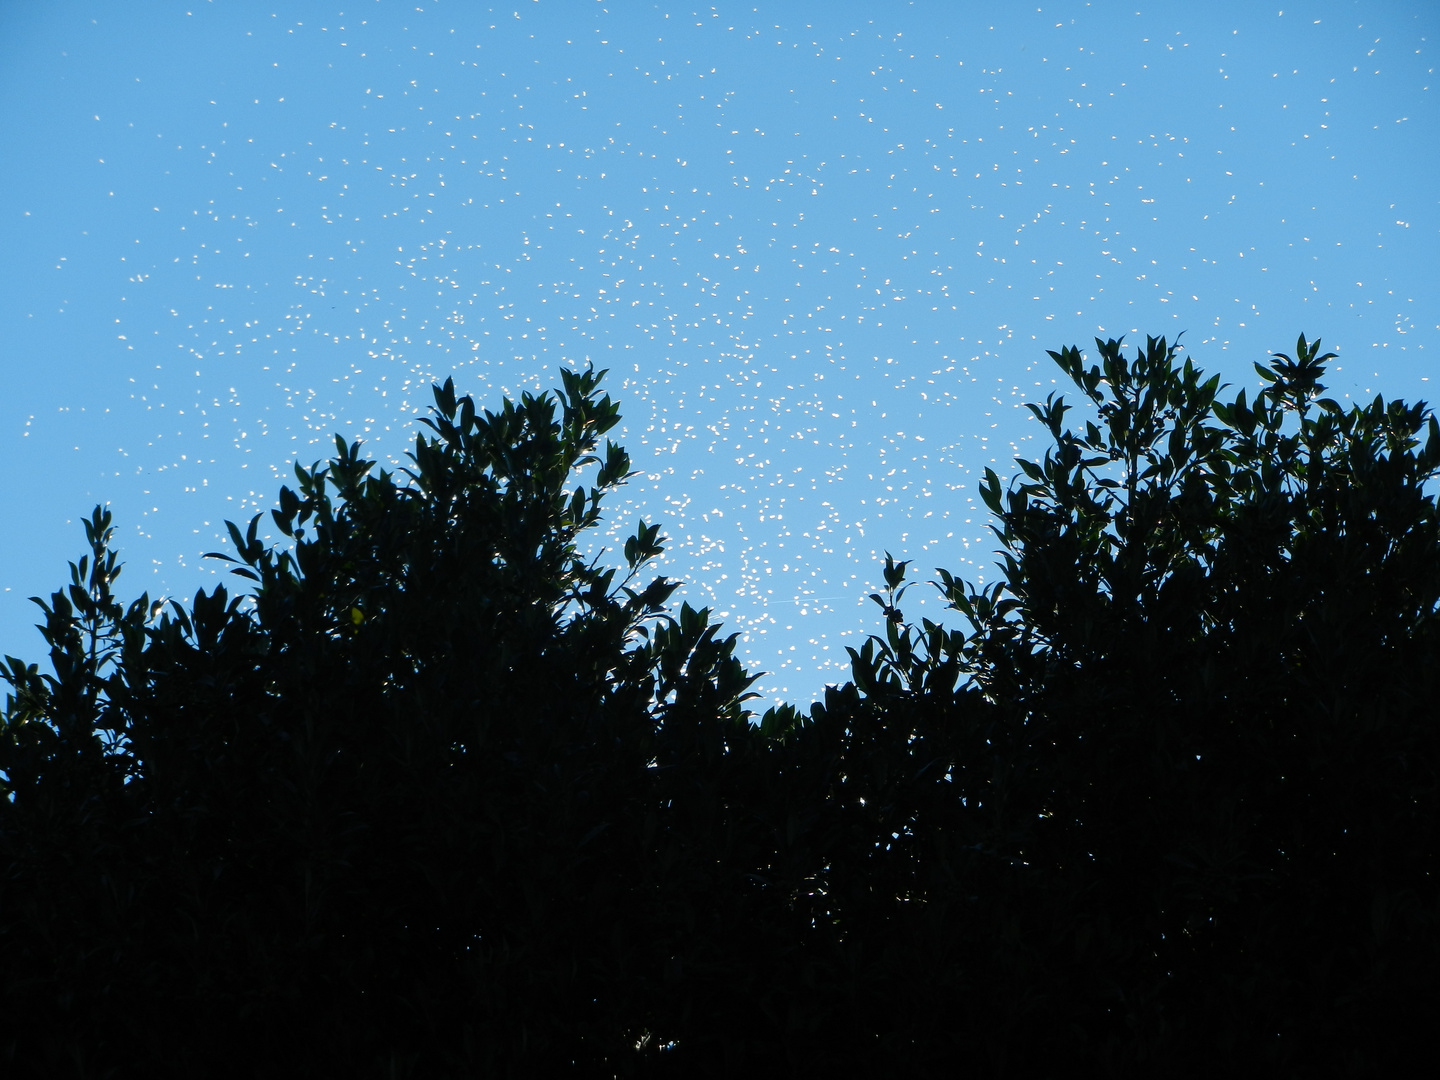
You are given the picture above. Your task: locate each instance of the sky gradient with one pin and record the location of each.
(822, 250)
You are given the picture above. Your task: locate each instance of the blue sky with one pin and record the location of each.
(822, 249)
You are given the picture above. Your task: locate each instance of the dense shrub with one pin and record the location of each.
(438, 796)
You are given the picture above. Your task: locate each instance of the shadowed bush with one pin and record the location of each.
(439, 797)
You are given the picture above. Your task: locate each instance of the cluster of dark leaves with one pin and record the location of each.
(438, 796)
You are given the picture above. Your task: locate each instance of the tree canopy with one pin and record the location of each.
(436, 795)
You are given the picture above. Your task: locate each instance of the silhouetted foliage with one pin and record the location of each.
(1181, 813)
(440, 797)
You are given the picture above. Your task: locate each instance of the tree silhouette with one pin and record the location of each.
(390, 807)
(1211, 749)
(439, 796)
